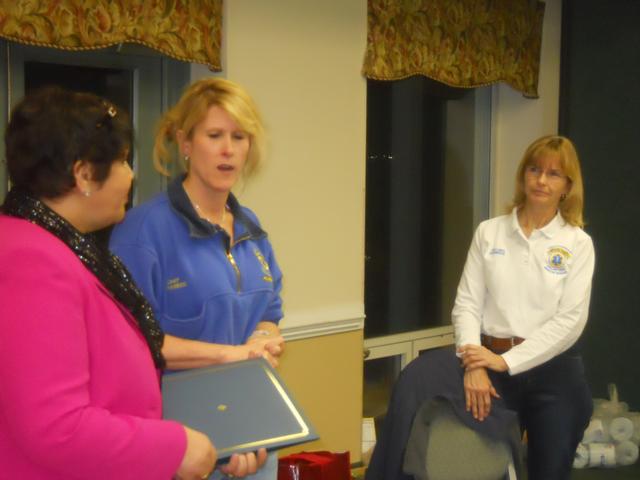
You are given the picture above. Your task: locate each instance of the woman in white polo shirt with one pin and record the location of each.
(523, 302)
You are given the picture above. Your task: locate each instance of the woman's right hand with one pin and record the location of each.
(241, 465)
(271, 347)
(478, 391)
(199, 458)
(234, 353)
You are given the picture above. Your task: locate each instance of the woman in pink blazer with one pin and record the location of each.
(80, 351)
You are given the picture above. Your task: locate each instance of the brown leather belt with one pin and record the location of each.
(500, 345)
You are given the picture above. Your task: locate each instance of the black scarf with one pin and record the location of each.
(103, 264)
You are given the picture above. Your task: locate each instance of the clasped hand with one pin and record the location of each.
(477, 356)
(269, 347)
(478, 388)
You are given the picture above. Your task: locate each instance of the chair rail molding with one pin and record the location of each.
(301, 324)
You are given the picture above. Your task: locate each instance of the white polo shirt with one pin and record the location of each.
(537, 288)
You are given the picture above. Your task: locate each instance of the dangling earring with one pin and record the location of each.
(186, 159)
(563, 197)
(86, 193)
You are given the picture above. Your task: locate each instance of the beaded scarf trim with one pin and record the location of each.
(103, 264)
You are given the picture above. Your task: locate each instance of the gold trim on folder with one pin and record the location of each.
(268, 441)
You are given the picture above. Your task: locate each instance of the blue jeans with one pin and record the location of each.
(269, 470)
(554, 405)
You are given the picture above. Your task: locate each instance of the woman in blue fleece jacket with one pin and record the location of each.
(201, 258)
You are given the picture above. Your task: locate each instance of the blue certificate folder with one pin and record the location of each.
(241, 406)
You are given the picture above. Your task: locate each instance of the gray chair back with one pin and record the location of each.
(441, 447)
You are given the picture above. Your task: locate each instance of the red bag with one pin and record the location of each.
(315, 466)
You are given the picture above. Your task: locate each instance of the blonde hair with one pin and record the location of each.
(572, 205)
(192, 108)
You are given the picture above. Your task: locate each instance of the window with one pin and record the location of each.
(135, 78)
(428, 151)
(427, 188)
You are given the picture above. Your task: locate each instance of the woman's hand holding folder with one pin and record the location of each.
(199, 457)
(243, 464)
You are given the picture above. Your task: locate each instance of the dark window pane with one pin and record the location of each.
(406, 127)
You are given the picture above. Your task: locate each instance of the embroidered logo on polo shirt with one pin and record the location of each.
(175, 283)
(557, 258)
(497, 251)
(266, 272)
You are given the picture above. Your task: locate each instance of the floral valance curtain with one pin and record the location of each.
(461, 43)
(188, 30)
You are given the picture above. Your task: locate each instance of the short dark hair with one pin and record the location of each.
(52, 128)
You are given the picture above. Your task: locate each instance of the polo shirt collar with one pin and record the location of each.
(554, 226)
(549, 230)
(244, 227)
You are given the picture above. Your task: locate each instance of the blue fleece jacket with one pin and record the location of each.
(200, 286)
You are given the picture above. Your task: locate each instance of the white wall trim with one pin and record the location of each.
(324, 328)
(407, 346)
(298, 325)
(429, 333)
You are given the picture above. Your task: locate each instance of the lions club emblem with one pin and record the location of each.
(556, 261)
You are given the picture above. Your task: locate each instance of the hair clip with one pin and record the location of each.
(111, 113)
(111, 110)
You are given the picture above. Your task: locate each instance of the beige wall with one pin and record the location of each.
(300, 60)
(324, 375)
(517, 121)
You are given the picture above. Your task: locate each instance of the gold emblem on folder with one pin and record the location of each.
(222, 407)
